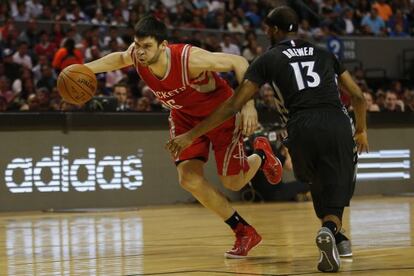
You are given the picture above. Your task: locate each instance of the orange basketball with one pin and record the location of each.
(76, 84)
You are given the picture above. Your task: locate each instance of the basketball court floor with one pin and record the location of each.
(189, 240)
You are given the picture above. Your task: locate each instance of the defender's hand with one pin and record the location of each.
(361, 139)
(249, 121)
(178, 144)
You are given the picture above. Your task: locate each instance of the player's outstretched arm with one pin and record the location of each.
(359, 106)
(201, 60)
(111, 62)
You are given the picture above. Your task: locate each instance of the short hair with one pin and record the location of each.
(121, 84)
(150, 26)
(283, 17)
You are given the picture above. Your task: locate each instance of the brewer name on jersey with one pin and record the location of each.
(298, 52)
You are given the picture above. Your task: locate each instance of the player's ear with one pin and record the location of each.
(164, 44)
(275, 29)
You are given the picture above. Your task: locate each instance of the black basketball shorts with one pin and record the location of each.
(323, 154)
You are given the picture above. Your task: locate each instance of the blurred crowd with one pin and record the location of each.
(81, 31)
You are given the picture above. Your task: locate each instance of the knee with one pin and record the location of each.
(232, 183)
(191, 182)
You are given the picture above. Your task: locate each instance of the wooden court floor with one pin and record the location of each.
(188, 240)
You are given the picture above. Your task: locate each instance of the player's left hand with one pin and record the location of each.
(361, 139)
(249, 121)
(177, 144)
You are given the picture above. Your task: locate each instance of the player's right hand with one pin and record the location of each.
(361, 139)
(177, 144)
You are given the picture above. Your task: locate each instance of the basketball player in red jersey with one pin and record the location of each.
(184, 78)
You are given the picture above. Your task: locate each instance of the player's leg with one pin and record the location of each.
(191, 178)
(238, 181)
(234, 168)
(335, 179)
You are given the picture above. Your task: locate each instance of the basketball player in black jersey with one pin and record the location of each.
(321, 138)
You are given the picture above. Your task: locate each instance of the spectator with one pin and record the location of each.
(267, 101)
(124, 9)
(212, 44)
(43, 97)
(252, 15)
(67, 55)
(359, 77)
(29, 35)
(37, 69)
(304, 30)
(384, 10)
(398, 19)
(154, 102)
(4, 11)
(143, 105)
(99, 18)
(34, 8)
(32, 103)
(196, 23)
(219, 22)
(391, 103)
(48, 79)
(252, 51)
(3, 104)
(76, 14)
(57, 33)
(113, 77)
(46, 14)
(227, 46)
(409, 101)
(113, 34)
(22, 13)
(372, 23)
(121, 94)
(371, 105)
(12, 70)
(235, 26)
(21, 57)
(45, 46)
(346, 22)
(5, 90)
(74, 34)
(398, 31)
(94, 50)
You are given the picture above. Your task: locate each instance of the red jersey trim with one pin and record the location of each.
(185, 54)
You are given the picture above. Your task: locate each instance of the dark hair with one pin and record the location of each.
(69, 44)
(284, 18)
(121, 84)
(152, 27)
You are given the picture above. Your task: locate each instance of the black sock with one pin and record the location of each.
(234, 220)
(339, 237)
(330, 225)
(261, 154)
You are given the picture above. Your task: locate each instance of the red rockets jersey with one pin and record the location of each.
(196, 97)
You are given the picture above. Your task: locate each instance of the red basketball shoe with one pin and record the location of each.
(272, 167)
(246, 239)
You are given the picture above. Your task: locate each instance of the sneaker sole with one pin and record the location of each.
(231, 256)
(345, 255)
(327, 248)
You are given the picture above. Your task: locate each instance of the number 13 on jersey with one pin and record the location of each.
(305, 79)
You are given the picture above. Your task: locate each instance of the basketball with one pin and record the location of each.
(76, 84)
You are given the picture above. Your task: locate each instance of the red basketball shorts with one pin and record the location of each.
(226, 140)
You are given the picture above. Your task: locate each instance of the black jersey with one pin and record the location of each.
(302, 75)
